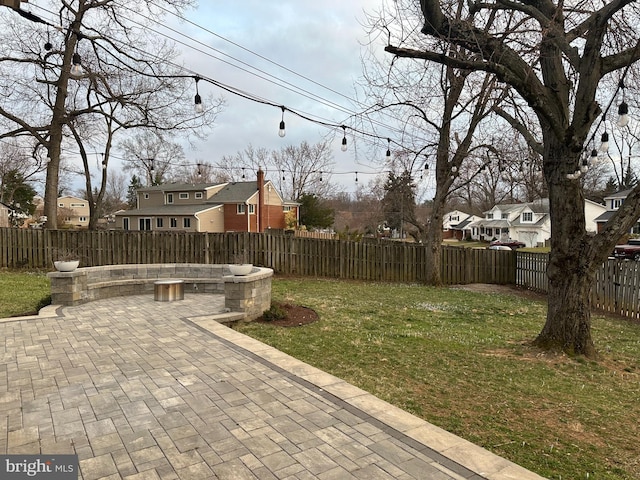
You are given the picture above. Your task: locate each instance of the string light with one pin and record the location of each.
(623, 114)
(604, 139)
(282, 132)
(76, 66)
(344, 139)
(388, 148)
(198, 100)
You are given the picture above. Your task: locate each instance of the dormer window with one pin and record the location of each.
(169, 197)
(490, 216)
(527, 217)
(616, 203)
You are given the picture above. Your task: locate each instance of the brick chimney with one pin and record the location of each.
(261, 206)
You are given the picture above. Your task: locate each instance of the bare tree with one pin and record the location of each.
(152, 156)
(62, 83)
(294, 170)
(447, 105)
(18, 157)
(555, 56)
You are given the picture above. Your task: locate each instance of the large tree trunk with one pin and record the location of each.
(433, 243)
(570, 270)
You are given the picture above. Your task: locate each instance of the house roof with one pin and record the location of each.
(620, 194)
(236, 192)
(604, 217)
(537, 206)
(493, 223)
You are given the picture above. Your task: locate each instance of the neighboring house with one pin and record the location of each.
(613, 202)
(4, 215)
(455, 224)
(226, 207)
(529, 223)
(74, 211)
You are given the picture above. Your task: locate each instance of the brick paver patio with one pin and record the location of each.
(155, 390)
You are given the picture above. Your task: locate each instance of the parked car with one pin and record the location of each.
(512, 244)
(629, 251)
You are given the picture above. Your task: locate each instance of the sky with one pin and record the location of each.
(314, 46)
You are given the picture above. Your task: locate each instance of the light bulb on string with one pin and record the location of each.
(243, 177)
(356, 177)
(623, 114)
(48, 46)
(321, 175)
(344, 139)
(593, 159)
(584, 167)
(283, 179)
(76, 66)
(388, 148)
(198, 107)
(623, 108)
(282, 132)
(604, 139)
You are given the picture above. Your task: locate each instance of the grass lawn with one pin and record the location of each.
(461, 360)
(23, 292)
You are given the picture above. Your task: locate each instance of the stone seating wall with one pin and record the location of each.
(249, 295)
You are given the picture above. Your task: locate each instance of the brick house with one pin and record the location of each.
(227, 207)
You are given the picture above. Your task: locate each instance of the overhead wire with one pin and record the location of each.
(306, 116)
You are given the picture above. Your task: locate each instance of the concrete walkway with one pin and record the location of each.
(155, 390)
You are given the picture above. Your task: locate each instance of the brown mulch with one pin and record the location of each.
(296, 316)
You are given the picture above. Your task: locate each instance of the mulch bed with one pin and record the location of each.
(295, 316)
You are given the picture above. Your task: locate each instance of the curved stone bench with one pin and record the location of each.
(249, 295)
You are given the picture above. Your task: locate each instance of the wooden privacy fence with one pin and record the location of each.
(616, 288)
(286, 254)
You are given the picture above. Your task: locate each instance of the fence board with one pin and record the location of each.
(616, 288)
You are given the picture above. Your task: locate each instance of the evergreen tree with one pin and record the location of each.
(132, 197)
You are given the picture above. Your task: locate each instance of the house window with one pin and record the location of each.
(146, 196)
(125, 223)
(505, 216)
(169, 197)
(489, 216)
(489, 232)
(184, 196)
(61, 205)
(198, 195)
(286, 208)
(453, 219)
(75, 205)
(83, 219)
(616, 203)
(241, 209)
(174, 222)
(186, 222)
(252, 209)
(527, 216)
(159, 222)
(145, 224)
